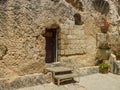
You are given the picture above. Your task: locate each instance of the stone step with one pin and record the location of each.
(66, 76)
(59, 69)
(61, 73)
(55, 64)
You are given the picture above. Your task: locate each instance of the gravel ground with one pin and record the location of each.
(51, 86)
(101, 82)
(91, 82)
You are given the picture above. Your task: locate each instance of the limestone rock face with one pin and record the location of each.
(23, 23)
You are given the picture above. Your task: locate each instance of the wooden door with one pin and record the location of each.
(50, 46)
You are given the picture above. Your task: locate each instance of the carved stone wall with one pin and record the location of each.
(23, 23)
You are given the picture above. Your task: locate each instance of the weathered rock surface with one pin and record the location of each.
(113, 40)
(23, 22)
(25, 81)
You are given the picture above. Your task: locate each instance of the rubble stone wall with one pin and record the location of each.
(23, 22)
(22, 46)
(113, 39)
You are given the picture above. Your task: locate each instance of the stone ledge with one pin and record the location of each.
(25, 81)
(28, 80)
(87, 70)
(4, 85)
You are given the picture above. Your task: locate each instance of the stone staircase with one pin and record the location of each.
(61, 73)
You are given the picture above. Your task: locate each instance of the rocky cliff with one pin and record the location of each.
(23, 22)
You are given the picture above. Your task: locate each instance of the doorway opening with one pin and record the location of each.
(51, 45)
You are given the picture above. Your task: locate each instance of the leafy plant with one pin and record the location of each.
(104, 66)
(104, 46)
(105, 27)
(117, 53)
(106, 23)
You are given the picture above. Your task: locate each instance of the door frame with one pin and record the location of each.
(56, 44)
(56, 59)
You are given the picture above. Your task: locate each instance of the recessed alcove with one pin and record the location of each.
(77, 18)
(3, 2)
(76, 3)
(101, 6)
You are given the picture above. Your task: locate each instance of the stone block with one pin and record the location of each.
(4, 85)
(101, 38)
(70, 36)
(28, 80)
(62, 46)
(114, 39)
(88, 70)
(62, 52)
(48, 77)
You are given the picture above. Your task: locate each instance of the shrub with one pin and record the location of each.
(104, 46)
(104, 66)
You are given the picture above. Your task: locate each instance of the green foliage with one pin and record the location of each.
(104, 66)
(118, 54)
(104, 46)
